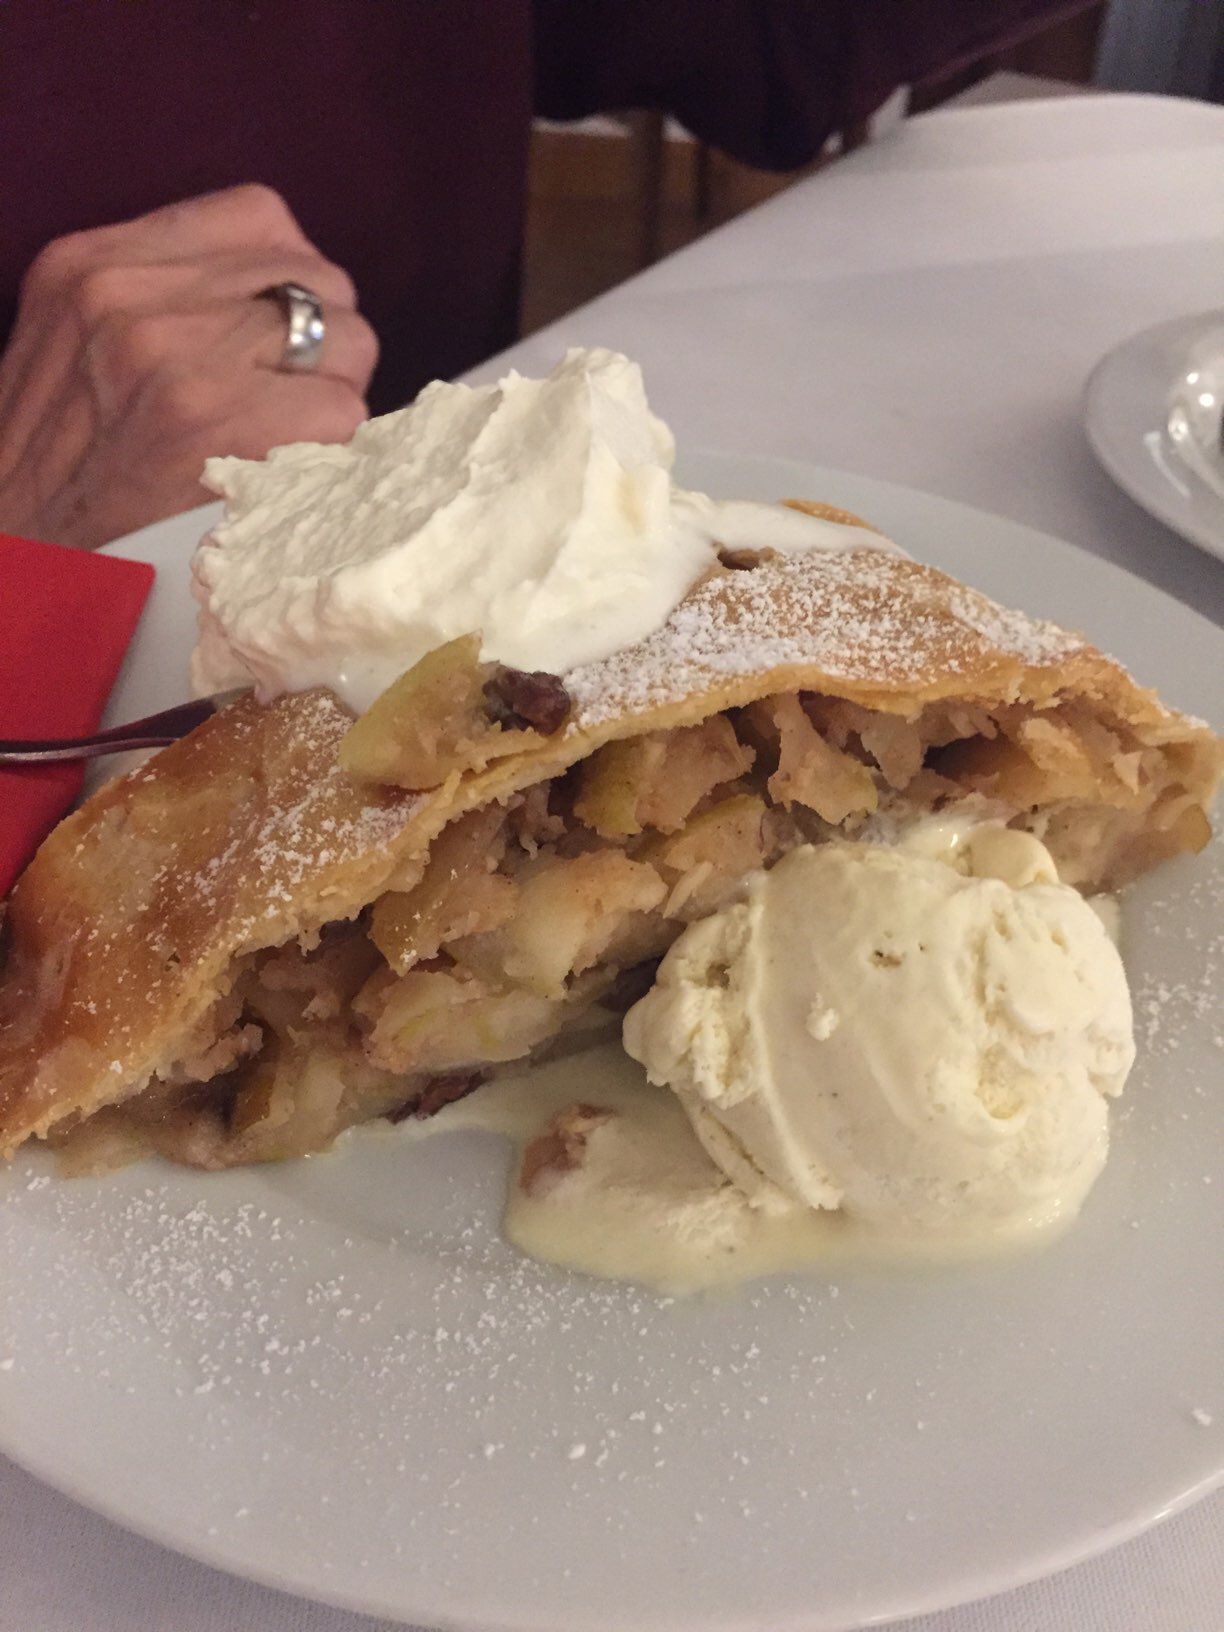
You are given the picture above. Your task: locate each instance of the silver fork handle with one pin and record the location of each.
(153, 732)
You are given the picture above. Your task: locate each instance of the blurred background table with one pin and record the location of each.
(927, 309)
(926, 312)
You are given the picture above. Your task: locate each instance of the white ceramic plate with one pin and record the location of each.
(1126, 414)
(335, 1378)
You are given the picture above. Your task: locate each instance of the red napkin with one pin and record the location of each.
(66, 617)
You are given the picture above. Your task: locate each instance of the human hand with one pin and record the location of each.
(139, 349)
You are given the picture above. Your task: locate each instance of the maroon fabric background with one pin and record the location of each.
(397, 129)
(66, 618)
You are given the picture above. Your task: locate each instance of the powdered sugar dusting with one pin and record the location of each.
(858, 616)
(266, 1329)
(1172, 1009)
(296, 820)
(327, 824)
(1035, 641)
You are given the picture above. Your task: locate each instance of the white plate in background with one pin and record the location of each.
(1127, 402)
(335, 1378)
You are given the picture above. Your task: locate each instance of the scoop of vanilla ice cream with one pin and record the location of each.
(920, 1042)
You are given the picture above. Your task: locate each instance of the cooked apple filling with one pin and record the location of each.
(530, 919)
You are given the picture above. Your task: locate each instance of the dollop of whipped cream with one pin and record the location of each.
(541, 513)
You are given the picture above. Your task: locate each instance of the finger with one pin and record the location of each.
(201, 416)
(292, 408)
(208, 281)
(234, 338)
(111, 269)
(149, 465)
(241, 275)
(240, 221)
(231, 217)
(237, 218)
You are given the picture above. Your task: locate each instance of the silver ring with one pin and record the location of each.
(304, 325)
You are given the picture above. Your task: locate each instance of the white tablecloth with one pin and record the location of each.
(926, 313)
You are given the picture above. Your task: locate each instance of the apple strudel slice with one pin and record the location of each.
(292, 921)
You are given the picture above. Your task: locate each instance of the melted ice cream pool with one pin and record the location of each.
(541, 513)
(650, 1207)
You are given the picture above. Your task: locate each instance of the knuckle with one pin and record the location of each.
(255, 201)
(56, 263)
(340, 288)
(100, 291)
